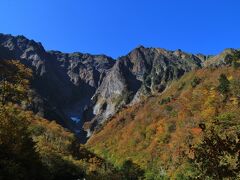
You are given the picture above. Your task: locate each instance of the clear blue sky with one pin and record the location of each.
(114, 27)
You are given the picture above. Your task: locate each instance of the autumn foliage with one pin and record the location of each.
(172, 135)
(190, 131)
(34, 148)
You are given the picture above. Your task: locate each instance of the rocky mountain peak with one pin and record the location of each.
(141, 72)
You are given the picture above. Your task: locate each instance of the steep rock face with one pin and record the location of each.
(24, 49)
(83, 68)
(85, 73)
(64, 82)
(142, 72)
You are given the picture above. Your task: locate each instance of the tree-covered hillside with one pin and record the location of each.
(191, 131)
(34, 148)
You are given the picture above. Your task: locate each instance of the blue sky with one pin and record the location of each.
(114, 27)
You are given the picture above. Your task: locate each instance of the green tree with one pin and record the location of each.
(195, 82)
(18, 159)
(217, 156)
(224, 84)
(235, 87)
(235, 60)
(14, 82)
(132, 171)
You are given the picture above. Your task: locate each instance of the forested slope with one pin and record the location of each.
(191, 130)
(35, 148)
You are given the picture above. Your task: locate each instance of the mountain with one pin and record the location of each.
(64, 83)
(144, 71)
(151, 114)
(81, 91)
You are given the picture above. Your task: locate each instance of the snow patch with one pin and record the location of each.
(76, 119)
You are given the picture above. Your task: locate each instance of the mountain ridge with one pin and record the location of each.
(92, 88)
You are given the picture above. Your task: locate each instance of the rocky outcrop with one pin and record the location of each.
(22, 48)
(142, 72)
